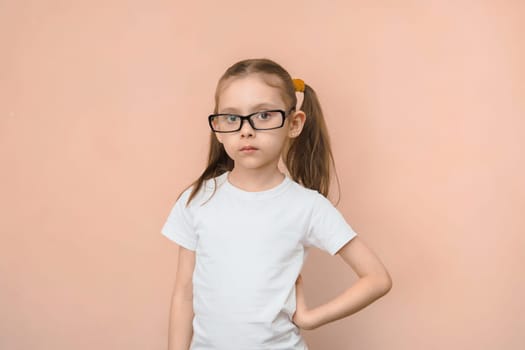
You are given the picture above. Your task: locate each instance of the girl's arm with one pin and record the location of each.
(181, 313)
(374, 282)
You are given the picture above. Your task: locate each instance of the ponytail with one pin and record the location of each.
(218, 163)
(309, 157)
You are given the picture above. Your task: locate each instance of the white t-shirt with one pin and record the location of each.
(250, 248)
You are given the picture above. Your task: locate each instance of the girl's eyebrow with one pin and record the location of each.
(254, 108)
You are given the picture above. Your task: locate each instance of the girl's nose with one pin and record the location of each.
(247, 129)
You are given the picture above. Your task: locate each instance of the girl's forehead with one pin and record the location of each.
(259, 82)
(248, 91)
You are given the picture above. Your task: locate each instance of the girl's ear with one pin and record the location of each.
(296, 121)
(218, 136)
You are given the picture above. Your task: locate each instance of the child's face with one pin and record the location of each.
(245, 95)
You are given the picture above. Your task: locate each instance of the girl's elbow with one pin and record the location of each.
(381, 283)
(385, 284)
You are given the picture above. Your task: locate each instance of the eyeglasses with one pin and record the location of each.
(263, 120)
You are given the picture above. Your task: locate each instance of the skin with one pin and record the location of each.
(258, 171)
(374, 282)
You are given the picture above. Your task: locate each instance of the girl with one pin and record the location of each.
(244, 227)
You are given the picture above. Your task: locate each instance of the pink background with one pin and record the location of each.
(103, 109)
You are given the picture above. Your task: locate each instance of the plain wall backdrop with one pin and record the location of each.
(103, 108)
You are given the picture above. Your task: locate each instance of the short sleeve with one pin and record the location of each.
(179, 224)
(328, 229)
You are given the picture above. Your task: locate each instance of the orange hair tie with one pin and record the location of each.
(299, 85)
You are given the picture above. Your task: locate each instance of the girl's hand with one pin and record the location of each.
(302, 316)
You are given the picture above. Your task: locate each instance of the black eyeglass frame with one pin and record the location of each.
(248, 118)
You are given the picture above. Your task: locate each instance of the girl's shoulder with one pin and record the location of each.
(312, 198)
(204, 193)
(306, 194)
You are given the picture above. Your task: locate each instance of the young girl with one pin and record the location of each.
(244, 227)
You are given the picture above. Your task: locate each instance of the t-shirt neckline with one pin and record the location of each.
(272, 192)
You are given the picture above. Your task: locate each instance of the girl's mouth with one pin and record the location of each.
(248, 149)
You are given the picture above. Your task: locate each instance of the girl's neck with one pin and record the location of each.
(255, 180)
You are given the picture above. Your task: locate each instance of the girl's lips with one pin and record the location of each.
(248, 149)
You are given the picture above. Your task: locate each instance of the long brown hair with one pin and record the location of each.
(307, 157)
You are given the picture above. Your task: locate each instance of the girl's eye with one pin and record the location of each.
(264, 115)
(231, 118)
